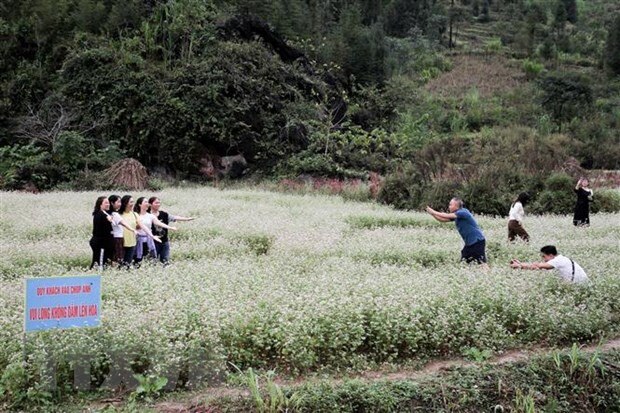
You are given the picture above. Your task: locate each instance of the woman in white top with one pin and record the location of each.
(515, 218)
(144, 243)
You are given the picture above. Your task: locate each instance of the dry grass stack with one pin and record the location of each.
(127, 173)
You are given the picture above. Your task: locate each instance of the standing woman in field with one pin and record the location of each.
(515, 218)
(582, 207)
(145, 244)
(117, 229)
(129, 235)
(101, 241)
(163, 249)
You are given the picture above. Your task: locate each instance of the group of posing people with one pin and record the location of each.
(124, 231)
(475, 242)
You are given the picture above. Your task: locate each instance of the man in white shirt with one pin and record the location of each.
(568, 269)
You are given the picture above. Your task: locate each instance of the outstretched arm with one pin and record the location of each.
(162, 225)
(180, 218)
(148, 232)
(441, 216)
(124, 224)
(516, 264)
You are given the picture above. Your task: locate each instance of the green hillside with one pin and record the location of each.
(205, 89)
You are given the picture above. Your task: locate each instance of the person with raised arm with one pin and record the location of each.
(475, 242)
(582, 206)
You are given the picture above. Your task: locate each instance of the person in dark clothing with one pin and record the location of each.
(101, 241)
(582, 207)
(163, 248)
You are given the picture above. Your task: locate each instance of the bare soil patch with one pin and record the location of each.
(489, 74)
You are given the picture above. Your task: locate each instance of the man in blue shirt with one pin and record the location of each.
(475, 243)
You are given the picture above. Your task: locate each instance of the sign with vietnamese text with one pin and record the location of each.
(62, 302)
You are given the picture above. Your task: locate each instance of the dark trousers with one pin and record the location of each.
(515, 229)
(101, 250)
(475, 252)
(129, 252)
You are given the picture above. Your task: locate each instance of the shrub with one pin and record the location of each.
(566, 96)
(557, 197)
(607, 200)
(559, 182)
(439, 194)
(494, 45)
(532, 69)
(486, 197)
(21, 166)
(402, 188)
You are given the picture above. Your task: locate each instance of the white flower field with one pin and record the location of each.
(302, 283)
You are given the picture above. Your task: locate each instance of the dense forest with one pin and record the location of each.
(481, 98)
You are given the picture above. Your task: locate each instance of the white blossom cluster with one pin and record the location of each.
(304, 282)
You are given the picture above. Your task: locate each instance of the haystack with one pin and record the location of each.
(127, 173)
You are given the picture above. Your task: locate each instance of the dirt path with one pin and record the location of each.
(193, 402)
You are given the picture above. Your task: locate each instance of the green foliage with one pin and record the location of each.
(359, 50)
(532, 69)
(493, 45)
(477, 355)
(259, 244)
(525, 402)
(402, 16)
(149, 387)
(566, 96)
(346, 153)
(370, 222)
(20, 388)
(547, 49)
(612, 47)
(27, 166)
(606, 201)
(481, 170)
(571, 10)
(508, 387)
(557, 196)
(275, 399)
(484, 13)
(161, 83)
(402, 188)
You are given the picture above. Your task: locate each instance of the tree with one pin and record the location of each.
(484, 15)
(560, 16)
(566, 96)
(612, 47)
(475, 8)
(571, 10)
(401, 16)
(360, 50)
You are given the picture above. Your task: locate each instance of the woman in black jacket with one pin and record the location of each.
(101, 241)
